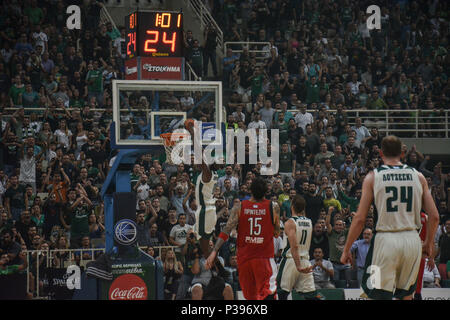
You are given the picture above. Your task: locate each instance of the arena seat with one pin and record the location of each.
(340, 283)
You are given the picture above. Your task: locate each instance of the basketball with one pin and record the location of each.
(189, 123)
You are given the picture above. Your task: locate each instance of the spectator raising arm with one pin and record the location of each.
(65, 176)
(188, 196)
(328, 220)
(153, 216)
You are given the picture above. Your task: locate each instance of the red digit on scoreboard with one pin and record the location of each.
(132, 21)
(132, 41)
(171, 42)
(151, 41)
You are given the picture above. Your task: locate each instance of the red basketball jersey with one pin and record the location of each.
(255, 231)
(423, 230)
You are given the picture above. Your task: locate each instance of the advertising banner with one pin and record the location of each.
(131, 69)
(55, 284)
(162, 68)
(131, 281)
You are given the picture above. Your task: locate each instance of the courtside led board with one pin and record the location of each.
(154, 34)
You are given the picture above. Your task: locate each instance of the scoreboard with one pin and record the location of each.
(154, 34)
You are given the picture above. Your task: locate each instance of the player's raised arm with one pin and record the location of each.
(429, 207)
(360, 218)
(191, 127)
(223, 236)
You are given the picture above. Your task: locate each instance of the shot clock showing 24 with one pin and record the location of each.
(154, 34)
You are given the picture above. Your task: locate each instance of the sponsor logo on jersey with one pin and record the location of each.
(254, 240)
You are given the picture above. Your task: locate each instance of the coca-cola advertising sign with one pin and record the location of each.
(128, 287)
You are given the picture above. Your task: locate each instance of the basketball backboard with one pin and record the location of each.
(144, 109)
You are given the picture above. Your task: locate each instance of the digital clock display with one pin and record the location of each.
(154, 34)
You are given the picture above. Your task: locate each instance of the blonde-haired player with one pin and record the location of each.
(399, 193)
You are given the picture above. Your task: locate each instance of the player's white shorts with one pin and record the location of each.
(290, 278)
(205, 221)
(392, 265)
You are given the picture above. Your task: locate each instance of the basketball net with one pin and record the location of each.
(170, 140)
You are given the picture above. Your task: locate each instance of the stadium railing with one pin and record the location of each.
(260, 49)
(190, 73)
(105, 16)
(206, 18)
(62, 259)
(415, 123)
(409, 123)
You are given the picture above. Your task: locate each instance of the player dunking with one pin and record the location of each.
(399, 193)
(205, 216)
(257, 221)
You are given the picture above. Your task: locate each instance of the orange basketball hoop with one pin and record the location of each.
(170, 140)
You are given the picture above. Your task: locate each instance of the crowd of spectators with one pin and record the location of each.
(56, 107)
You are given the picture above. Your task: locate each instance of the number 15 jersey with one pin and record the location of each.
(255, 231)
(398, 198)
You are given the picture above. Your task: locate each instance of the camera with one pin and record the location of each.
(192, 236)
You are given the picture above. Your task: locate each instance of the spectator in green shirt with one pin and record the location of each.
(285, 209)
(16, 91)
(375, 102)
(286, 162)
(113, 33)
(256, 80)
(312, 91)
(135, 175)
(94, 81)
(34, 13)
(337, 235)
(351, 202)
(80, 211)
(229, 194)
(6, 270)
(93, 172)
(30, 98)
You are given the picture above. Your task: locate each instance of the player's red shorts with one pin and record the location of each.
(257, 278)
